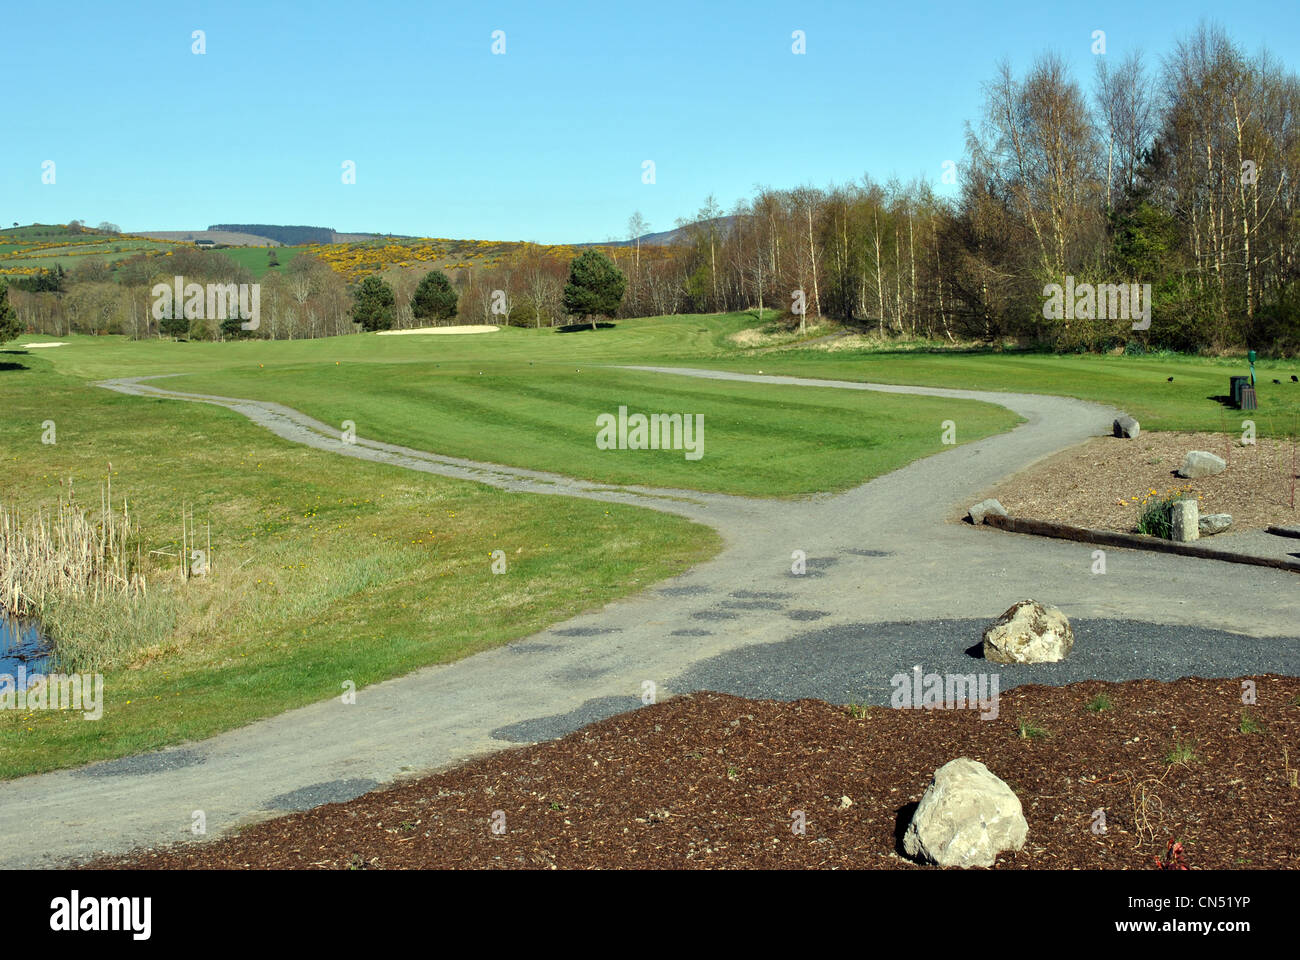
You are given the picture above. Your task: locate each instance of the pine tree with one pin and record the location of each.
(595, 287)
(435, 298)
(373, 303)
(10, 325)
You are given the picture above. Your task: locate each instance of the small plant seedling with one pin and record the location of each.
(1099, 703)
(858, 711)
(1248, 723)
(1029, 731)
(1181, 753)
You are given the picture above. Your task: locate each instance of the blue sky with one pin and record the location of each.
(545, 142)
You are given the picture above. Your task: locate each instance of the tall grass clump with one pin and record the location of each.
(81, 577)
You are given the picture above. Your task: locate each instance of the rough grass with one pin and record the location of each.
(324, 569)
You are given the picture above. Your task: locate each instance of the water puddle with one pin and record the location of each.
(21, 645)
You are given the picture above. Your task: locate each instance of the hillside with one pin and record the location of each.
(667, 238)
(29, 250)
(227, 237)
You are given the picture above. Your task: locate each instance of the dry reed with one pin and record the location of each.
(63, 552)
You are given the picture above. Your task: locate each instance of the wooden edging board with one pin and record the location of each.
(1112, 538)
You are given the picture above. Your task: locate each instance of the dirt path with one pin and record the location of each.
(887, 551)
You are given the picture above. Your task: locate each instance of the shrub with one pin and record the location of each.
(174, 326)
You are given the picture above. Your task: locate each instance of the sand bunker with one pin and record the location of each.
(37, 346)
(484, 328)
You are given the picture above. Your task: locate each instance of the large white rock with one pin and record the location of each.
(1029, 632)
(966, 817)
(1184, 521)
(982, 509)
(1201, 463)
(1126, 426)
(1213, 523)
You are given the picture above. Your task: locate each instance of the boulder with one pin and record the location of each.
(1127, 427)
(1184, 521)
(1200, 463)
(1213, 523)
(1029, 632)
(982, 509)
(966, 817)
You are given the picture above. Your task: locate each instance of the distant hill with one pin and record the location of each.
(26, 251)
(665, 238)
(225, 237)
(263, 235)
(289, 236)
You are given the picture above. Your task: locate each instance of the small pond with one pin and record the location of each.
(21, 644)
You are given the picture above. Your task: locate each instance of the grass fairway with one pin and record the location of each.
(677, 338)
(536, 402)
(1139, 385)
(326, 569)
(759, 440)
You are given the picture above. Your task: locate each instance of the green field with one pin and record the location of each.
(256, 260)
(326, 569)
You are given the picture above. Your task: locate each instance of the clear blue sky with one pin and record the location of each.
(545, 142)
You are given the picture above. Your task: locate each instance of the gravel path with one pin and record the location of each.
(887, 570)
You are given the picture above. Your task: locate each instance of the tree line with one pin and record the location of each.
(1184, 176)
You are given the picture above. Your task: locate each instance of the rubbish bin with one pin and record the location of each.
(1234, 388)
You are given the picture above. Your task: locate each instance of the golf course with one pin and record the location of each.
(326, 569)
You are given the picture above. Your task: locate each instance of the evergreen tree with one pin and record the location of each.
(435, 298)
(373, 303)
(10, 326)
(595, 287)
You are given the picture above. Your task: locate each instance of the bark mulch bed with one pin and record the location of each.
(714, 781)
(1100, 483)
